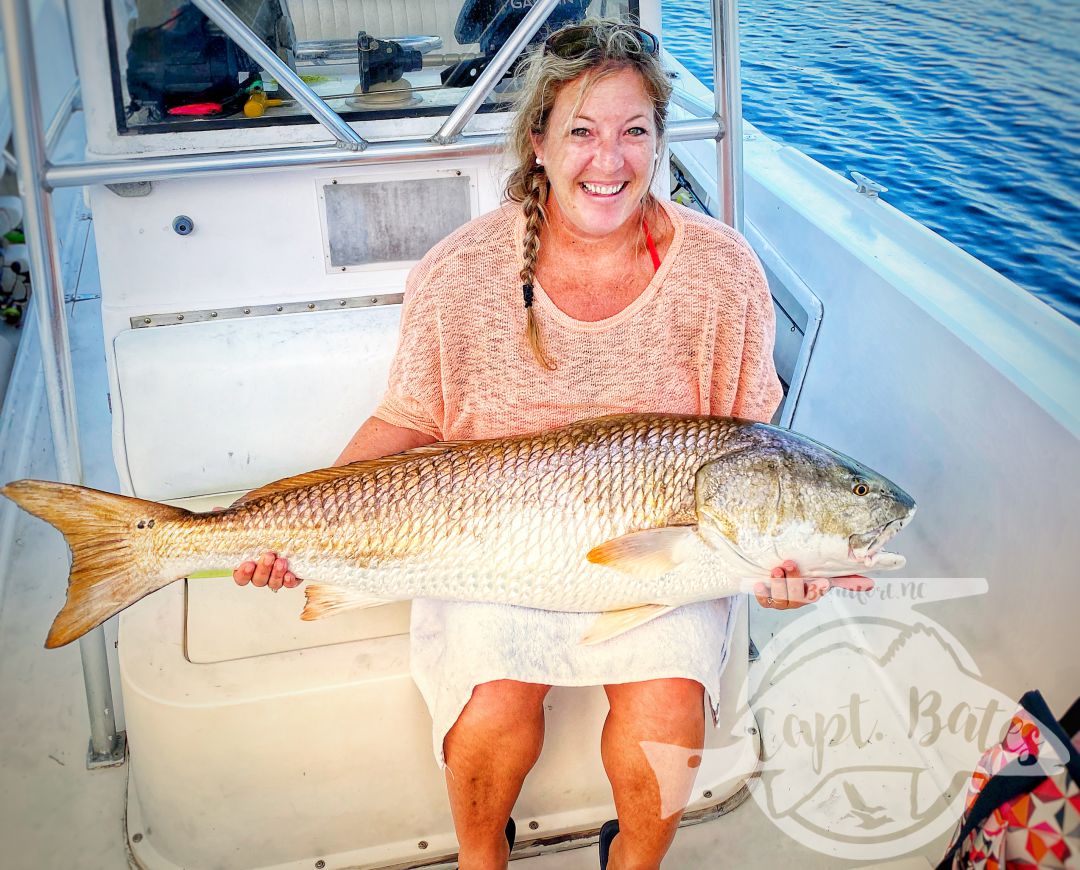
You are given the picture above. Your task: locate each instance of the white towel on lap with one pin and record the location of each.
(456, 646)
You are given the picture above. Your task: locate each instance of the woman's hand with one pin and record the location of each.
(787, 590)
(270, 571)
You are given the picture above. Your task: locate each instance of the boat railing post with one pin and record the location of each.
(727, 91)
(494, 71)
(106, 745)
(244, 37)
(70, 103)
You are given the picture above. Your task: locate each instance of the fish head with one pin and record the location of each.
(782, 496)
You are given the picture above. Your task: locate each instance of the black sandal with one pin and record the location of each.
(607, 833)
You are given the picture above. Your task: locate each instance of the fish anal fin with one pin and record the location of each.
(649, 553)
(326, 600)
(322, 475)
(612, 623)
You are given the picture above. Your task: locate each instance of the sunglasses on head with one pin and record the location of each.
(571, 42)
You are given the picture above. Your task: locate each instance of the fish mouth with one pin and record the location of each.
(866, 548)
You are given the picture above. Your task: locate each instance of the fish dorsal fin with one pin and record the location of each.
(322, 475)
(325, 600)
(612, 623)
(649, 553)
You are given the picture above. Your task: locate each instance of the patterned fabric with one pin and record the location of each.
(1039, 829)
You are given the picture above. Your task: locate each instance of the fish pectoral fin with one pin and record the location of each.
(325, 600)
(649, 553)
(612, 623)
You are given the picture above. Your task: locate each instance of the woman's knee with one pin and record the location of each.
(672, 700)
(506, 700)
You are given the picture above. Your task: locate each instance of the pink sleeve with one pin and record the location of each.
(413, 397)
(759, 392)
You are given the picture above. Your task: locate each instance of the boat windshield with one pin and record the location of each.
(174, 69)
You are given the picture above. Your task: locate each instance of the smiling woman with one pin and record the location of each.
(587, 140)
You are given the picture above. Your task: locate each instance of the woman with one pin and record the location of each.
(583, 296)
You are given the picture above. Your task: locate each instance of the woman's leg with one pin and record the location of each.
(489, 750)
(665, 711)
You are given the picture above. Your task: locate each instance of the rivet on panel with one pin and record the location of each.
(534, 826)
(247, 311)
(311, 306)
(423, 844)
(179, 316)
(213, 314)
(136, 838)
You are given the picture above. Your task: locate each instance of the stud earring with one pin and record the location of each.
(539, 162)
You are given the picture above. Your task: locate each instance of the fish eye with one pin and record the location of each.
(861, 487)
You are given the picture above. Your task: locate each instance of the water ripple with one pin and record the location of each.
(967, 110)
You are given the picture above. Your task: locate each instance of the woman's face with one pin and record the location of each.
(599, 161)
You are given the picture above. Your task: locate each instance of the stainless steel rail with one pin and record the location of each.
(106, 746)
(494, 71)
(243, 36)
(727, 92)
(401, 151)
(59, 121)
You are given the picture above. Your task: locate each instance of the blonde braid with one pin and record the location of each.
(533, 207)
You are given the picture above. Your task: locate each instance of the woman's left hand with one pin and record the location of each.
(787, 589)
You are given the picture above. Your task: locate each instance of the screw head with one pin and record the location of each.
(534, 825)
(320, 864)
(707, 794)
(423, 844)
(136, 838)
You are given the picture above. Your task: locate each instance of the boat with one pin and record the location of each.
(210, 313)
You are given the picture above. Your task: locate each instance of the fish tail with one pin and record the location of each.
(109, 569)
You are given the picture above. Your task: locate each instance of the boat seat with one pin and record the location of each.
(319, 739)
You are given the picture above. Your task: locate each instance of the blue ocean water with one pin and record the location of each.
(967, 110)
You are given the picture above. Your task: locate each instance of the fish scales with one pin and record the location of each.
(528, 509)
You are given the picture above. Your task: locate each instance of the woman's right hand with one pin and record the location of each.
(270, 571)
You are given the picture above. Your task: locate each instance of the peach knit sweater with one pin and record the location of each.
(698, 340)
